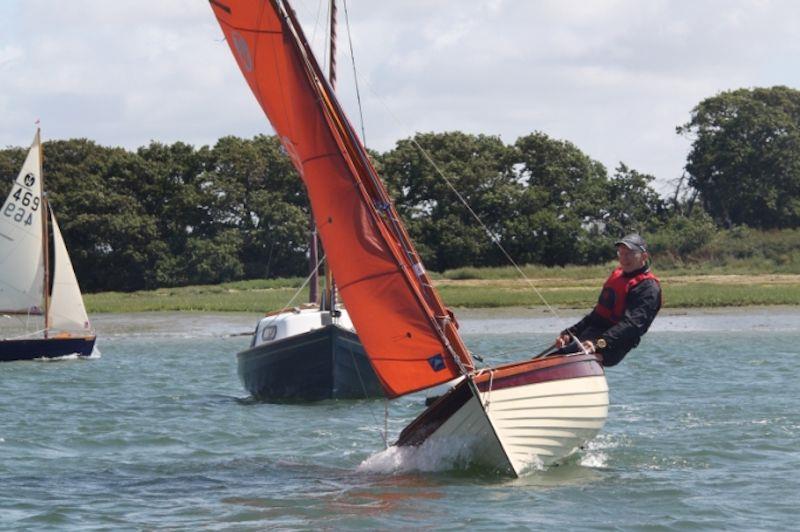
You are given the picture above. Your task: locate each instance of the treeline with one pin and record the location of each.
(168, 215)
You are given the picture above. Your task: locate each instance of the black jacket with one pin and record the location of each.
(641, 306)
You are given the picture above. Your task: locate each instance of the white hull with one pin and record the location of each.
(514, 427)
(545, 423)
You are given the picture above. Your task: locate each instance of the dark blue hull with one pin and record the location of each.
(326, 363)
(29, 349)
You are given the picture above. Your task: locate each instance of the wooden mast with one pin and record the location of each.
(45, 237)
(313, 294)
(328, 297)
(330, 288)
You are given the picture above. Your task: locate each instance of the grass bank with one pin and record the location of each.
(567, 287)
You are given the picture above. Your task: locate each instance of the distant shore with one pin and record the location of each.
(561, 292)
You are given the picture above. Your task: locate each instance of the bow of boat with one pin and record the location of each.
(534, 412)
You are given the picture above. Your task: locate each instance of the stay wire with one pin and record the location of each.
(461, 198)
(494, 238)
(355, 74)
(384, 435)
(299, 290)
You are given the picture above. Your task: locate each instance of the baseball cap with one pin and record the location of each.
(634, 242)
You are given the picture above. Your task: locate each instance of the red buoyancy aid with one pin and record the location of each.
(612, 301)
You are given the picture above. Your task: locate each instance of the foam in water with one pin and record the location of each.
(71, 356)
(440, 454)
(534, 465)
(446, 454)
(595, 456)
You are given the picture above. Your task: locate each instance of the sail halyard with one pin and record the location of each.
(442, 319)
(400, 319)
(45, 238)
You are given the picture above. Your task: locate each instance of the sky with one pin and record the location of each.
(614, 77)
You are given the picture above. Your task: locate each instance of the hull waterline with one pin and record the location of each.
(30, 349)
(325, 363)
(514, 417)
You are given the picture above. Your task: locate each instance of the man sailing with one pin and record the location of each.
(628, 304)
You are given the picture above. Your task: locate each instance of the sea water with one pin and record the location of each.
(703, 432)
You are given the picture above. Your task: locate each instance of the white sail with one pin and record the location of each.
(21, 257)
(67, 312)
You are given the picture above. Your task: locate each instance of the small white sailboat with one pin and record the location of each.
(534, 411)
(26, 287)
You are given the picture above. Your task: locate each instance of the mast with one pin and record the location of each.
(313, 297)
(313, 294)
(330, 287)
(45, 239)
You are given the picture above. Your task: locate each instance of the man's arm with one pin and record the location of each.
(581, 326)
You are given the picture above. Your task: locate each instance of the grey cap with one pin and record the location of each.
(634, 242)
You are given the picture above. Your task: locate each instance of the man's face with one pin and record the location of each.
(629, 259)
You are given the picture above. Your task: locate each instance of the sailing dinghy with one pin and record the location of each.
(26, 288)
(531, 412)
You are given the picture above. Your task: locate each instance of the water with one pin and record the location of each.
(702, 433)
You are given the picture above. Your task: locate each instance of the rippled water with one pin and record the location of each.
(703, 433)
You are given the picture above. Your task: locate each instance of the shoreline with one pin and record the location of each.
(482, 322)
(494, 312)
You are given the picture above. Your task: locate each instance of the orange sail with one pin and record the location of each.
(410, 336)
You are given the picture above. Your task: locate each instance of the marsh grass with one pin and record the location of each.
(245, 296)
(568, 287)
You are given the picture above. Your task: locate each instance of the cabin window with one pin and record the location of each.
(269, 333)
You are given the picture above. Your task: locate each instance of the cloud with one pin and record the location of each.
(613, 76)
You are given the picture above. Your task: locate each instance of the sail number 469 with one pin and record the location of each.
(24, 212)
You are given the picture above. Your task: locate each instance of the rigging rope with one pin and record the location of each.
(355, 74)
(494, 238)
(383, 435)
(299, 290)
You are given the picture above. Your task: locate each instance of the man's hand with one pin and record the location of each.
(588, 345)
(563, 340)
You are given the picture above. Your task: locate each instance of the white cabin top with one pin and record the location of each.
(297, 321)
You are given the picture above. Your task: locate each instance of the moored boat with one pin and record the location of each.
(307, 354)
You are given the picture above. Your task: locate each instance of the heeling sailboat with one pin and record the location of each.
(532, 411)
(310, 353)
(25, 272)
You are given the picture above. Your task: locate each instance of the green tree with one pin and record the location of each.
(561, 211)
(113, 241)
(11, 160)
(745, 156)
(479, 167)
(251, 186)
(632, 205)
